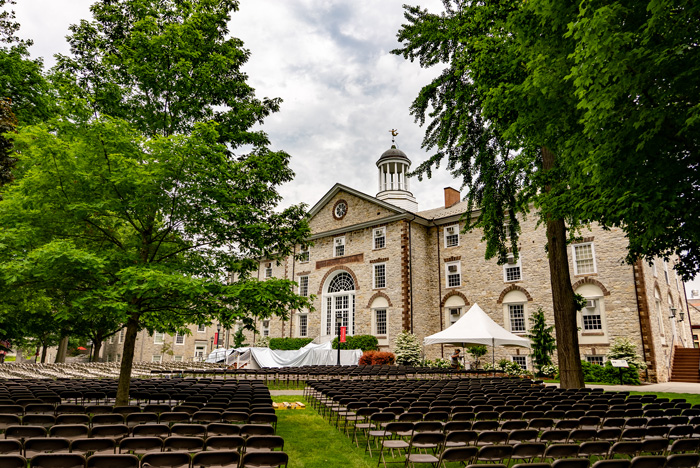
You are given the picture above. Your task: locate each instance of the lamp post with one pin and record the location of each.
(338, 320)
(218, 334)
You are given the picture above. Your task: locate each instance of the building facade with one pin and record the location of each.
(378, 265)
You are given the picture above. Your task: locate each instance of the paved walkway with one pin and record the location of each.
(672, 387)
(293, 392)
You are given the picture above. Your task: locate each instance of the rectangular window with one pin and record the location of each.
(666, 272)
(520, 360)
(329, 315)
(455, 314)
(303, 325)
(511, 270)
(304, 286)
(111, 339)
(516, 313)
(266, 328)
(177, 358)
(584, 259)
(158, 338)
(200, 351)
(454, 274)
(380, 321)
(304, 256)
(339, 246)
(121, 335)
(379, 238)
(379, 276)
(597, 360)
(452, 235)
(268, 270)
(201, 329)
(156, 358)
(179, 339)
(592, 321)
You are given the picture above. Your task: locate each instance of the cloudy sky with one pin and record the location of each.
(329, 61)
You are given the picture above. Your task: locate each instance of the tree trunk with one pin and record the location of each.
(563, 297)
(132, 328)
(96, 347)
(44, 348)
(62, 350)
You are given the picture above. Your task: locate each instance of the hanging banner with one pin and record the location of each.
(216, 339)
(342, 334)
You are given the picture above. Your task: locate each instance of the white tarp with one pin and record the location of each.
(310, 355)
(476, 328)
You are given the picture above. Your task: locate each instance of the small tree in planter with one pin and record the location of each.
(476, 352)
(407, 349)
(543, 342)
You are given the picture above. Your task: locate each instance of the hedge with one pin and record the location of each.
(377, 358)
(289, 343)
(363, 342)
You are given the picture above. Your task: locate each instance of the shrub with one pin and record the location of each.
(377, 358)
(439, 363)
(609, 374)
(508, 367)
(622, 348)
(407, 349)
(289, 343)
(477, 351)
(363, 342)
(263, 342)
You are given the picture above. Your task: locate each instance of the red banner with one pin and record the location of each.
(216, 338)
(342, 334)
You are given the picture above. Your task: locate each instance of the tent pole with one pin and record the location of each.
(493, 355)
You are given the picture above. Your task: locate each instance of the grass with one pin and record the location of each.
(692, 398)
(313, 443)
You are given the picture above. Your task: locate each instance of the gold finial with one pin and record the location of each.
(393, 132)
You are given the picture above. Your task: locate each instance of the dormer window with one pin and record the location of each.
(339, 246)
(452, 235)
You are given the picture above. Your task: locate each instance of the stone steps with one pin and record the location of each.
(686, 362)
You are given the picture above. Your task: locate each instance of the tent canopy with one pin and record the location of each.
(476, 328)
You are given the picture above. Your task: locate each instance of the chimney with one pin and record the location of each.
(451, 197)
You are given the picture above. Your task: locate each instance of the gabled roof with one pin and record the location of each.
(344, 188)
(442, 212)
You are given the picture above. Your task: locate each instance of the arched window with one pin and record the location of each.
(659, 315)
(591, 318)
(515, 312)
(339, 304)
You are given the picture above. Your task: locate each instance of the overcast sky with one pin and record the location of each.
(329, 61)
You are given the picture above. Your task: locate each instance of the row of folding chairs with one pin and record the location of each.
(120, 431)
(32, 447)
(265, 416)
(217, 459)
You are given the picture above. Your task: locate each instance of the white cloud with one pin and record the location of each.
(330, 61)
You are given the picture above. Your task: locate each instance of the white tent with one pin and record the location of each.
(310, 355)
(476, 328)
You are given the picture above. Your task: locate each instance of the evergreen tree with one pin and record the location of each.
(407, 349)
(543, 342)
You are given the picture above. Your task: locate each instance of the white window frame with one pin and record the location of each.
(522, 357)
(158, 337)
(575, 259)
(510, 318)
(122, 332)
(304, 286)
(200, 347)
(304, 256)
(668, 279)
(201, 328)
(265, 332)
(379, 235)
(375, 321)
(178, 358)
(594, 358)
(156, 358)
(377, 278)
(592, 311)
(517, 265)
(458, 273)
(455, 234)
(180, 337)
(268, 270)
(303, 329)
(339, 243)
(452, 317)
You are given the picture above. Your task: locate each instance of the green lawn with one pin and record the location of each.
(312, 443)
(693, 398)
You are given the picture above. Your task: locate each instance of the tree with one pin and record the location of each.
(498, 112)
(543, 343)
(138, 184)
(477, 351)
(407, 349)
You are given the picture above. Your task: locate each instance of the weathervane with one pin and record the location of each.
(394, 132)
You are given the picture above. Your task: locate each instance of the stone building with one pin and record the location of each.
(379, 265)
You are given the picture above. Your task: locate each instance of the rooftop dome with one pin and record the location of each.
(393, 152)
